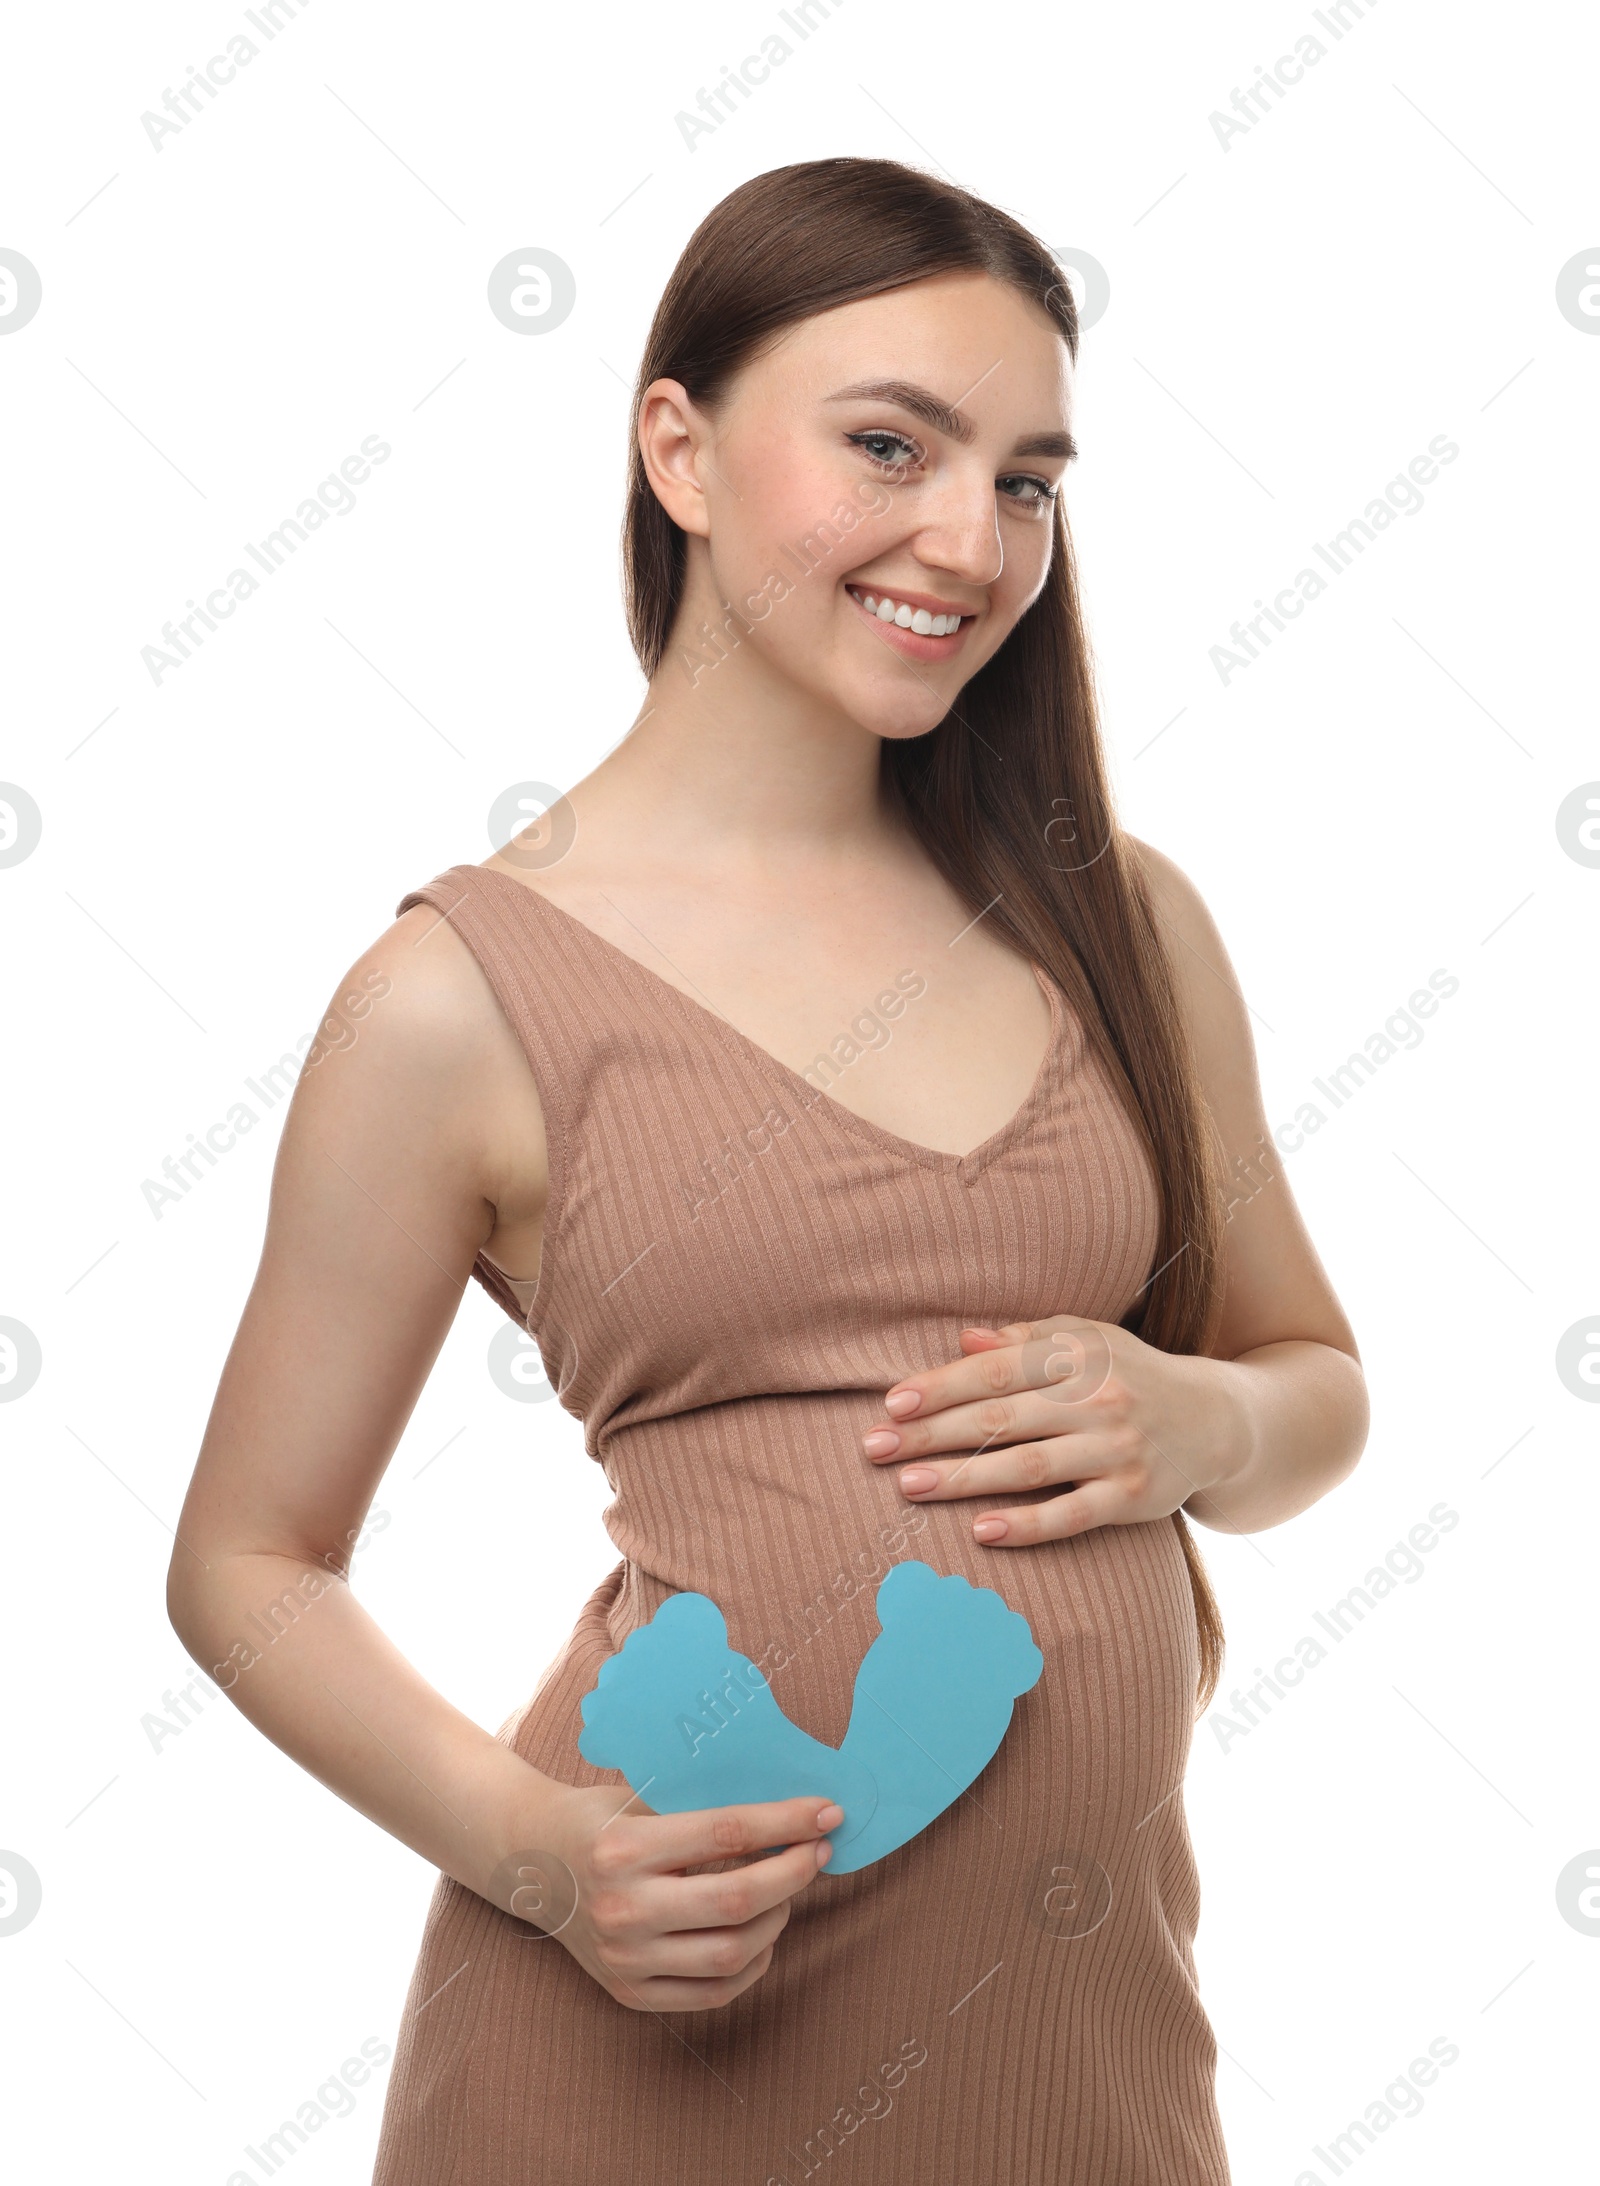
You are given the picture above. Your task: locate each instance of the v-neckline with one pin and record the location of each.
(961, 1166)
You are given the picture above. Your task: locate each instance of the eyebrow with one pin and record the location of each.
(921, 402)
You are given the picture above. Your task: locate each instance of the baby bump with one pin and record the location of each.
(1102, 1738)
(1074, 1746)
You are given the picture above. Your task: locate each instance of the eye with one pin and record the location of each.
(902, 452)
(1040, 492)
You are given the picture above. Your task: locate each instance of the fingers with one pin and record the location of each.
(1032, 1415)
(997, 1472)
(999, 1362)
(676, 1993)
(1096, 1503)
(655, 1934)
(989, 1371)
(978, 1338)
(645, 1940)
(648, 1953)
(738, 1896)
(666, 1941)
(662, 1843)
(970, 1427)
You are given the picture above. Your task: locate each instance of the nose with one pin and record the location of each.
(960, 529)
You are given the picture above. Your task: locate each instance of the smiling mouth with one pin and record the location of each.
(923, 633)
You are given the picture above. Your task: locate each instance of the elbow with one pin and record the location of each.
(185, 1575)
(1360, 1416)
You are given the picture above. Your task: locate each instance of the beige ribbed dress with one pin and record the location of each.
(735, 1268)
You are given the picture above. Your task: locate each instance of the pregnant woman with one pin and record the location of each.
(866, 1130)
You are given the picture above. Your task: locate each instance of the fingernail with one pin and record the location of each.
(830, 1816)
(902, 1403)
(991, 1529)
(917, 1477)
(824, 1853)
(882, 1442)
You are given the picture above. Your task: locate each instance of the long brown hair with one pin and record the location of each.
(1010, 793)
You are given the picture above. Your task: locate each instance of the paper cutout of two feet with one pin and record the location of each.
(692, 1723)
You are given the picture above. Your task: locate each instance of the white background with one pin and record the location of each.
(1291, 320)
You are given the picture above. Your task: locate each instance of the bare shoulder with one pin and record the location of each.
(1214, 1009)
(1216, 1016)
(415, 1047)
(418, 1000)
(1179, 903)
(1275, 1287)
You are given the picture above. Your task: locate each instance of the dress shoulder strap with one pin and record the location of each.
(552, 991)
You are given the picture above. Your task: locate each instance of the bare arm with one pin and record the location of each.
(1290, 1352)
(380, 1200)
(403, 1152)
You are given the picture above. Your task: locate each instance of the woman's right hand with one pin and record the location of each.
(655, 1937)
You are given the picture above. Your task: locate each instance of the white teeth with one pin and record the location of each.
(916, 619)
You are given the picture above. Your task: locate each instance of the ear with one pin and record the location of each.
(672, 434)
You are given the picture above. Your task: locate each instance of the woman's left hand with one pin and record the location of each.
(1130, 1432)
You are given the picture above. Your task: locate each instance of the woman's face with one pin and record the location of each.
(890, 459)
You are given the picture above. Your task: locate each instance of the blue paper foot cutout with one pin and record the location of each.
(933, 1700)
(691, 1723)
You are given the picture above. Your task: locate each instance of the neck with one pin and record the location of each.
(732, 766)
